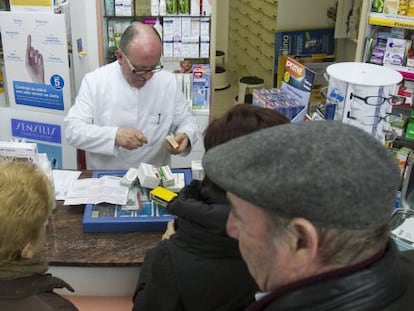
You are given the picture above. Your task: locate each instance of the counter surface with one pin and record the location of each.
(68, 245)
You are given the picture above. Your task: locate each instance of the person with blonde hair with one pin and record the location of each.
(26, 202)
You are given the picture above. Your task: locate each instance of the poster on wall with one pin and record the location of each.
(36, 61)
(47, 136)
(40, 127)
(32, 5)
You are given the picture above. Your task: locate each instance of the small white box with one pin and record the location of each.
(167, 178)
(186, 29)
(195, 29)
(168, 49)
(206, 7)
(195, 8)
(177, 49)
(168, 29)
(204, 29)
(205, 49)
(130, 177)
(177, 29)
(197, 171)
(179, 182)
(148, 176)
(18, 151)
(123, 8)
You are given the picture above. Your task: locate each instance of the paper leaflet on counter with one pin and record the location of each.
(106, 189)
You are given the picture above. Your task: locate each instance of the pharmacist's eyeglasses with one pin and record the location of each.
(379, 100)
(374, 120)
(141, 72)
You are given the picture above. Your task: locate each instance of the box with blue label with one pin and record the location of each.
(201, 86)
(147, 216)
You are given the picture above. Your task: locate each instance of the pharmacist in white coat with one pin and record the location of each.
(124, 110)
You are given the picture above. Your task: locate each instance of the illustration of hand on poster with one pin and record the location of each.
(34, 62)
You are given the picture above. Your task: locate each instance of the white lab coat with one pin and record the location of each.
(107, 101)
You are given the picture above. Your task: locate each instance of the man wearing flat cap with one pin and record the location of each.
(311, 203)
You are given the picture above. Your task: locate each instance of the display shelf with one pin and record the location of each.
(407, 72)
(181, 32)
(388, 20)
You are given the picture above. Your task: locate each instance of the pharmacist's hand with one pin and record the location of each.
(170, 230)
(34, 63)
(183, 142)
(130, 138)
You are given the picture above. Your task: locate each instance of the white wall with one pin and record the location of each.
(84, 26)
(98, 281)
(301, 14)
(222, 35)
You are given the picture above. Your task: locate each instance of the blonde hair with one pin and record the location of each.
(26, 201)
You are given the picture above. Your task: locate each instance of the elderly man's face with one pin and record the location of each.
(265, 258)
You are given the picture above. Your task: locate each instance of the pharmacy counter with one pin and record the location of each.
(69, 246)
(95, 263)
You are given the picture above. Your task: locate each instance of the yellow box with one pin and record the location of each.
(162, 196)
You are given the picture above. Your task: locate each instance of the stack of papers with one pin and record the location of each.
(75, 191)
(63, 180)
(106, 189)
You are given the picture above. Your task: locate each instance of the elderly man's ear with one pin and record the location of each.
(303, 242)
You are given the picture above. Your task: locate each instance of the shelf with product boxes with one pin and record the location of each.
(185, 30)
(401, 136)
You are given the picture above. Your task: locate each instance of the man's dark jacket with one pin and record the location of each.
(384, 282)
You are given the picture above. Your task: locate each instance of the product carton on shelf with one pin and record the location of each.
(201, 86)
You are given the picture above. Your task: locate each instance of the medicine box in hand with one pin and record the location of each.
(171, 140)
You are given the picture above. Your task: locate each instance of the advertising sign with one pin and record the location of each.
(32, 5)
(36, 61)
(43, 134)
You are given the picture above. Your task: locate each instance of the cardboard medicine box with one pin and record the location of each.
(201, 86)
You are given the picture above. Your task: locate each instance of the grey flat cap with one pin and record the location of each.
(325, 171)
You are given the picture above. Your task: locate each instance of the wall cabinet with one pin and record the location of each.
(186, 36)
(251, 38)
(252, 30)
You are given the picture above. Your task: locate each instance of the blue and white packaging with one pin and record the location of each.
(201, 86)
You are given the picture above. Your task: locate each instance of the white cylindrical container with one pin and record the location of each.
(350, 85)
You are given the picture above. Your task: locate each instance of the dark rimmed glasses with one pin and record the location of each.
(374, 120)
(141, 72)
(379, 100)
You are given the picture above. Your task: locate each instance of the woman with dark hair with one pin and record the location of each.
(200, 267)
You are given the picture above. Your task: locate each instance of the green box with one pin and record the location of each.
(409, 131)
